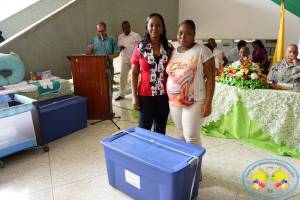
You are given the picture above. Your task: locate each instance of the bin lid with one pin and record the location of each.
(60, 102)
(160, 151)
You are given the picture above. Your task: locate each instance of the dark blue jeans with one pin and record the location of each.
(154, 110)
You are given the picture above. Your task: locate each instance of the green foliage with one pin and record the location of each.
(244, 84)
(239, 71)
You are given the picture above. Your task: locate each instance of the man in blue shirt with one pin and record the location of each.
(95, 46)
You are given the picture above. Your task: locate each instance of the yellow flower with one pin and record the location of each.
(242, 70)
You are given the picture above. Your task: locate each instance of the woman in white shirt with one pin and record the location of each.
(191, 84)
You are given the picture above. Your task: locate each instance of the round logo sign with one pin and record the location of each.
(270, 178)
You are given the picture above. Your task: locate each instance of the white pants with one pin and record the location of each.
(125, 68)
(188, 121)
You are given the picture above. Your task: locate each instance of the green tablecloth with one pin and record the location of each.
(65, 90)
(267, 119)
(236, 124)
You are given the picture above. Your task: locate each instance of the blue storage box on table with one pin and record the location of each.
(151, 166)
(63, 115)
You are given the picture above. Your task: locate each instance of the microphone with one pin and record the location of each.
(101, 36)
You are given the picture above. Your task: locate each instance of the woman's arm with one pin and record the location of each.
(209, 70)
(135, 71)
(265, 60)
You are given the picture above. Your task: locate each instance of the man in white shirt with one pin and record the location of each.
(233, 54)
(126, 41)
(219, 55)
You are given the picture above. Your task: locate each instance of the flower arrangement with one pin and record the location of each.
(245, 75)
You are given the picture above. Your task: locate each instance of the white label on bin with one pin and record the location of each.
(133, 179)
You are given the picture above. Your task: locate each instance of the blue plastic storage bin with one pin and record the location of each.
(151, 166)
(63, 115)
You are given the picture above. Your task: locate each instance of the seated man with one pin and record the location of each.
(244, 52)
(233, 54)
(288, 69)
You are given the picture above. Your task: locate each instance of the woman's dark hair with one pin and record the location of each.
(209, 46)
(190, 23)
(260, 44)
(164, 40)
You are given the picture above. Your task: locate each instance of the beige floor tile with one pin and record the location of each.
(44, 195)
(222, 170)
(77, 159)
(89, 189)
(24, 172)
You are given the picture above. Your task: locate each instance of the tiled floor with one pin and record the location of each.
(74, 168)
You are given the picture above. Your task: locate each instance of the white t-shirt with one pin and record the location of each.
(218, 57)
(129, 41)
(186, 83)
(233, 55)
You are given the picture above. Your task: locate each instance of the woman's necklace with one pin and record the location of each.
(156, 50)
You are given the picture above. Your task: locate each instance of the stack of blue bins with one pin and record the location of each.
(151, 166)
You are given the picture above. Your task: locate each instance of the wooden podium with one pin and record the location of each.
(90, 80)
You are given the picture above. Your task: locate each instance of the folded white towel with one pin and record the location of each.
(44, 84)
(28, 88)
(50, 85)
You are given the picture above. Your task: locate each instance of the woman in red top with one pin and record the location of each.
(151, 56)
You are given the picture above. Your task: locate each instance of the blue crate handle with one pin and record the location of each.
(192, 162)
(58, 102)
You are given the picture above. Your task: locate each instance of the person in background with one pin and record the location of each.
(288, 69)
(1, 37)
(190, 96)
(126, 41)
(218, 69)
(151, 56)
(219, 55)
(233, 54)
(95, 46)
(209, 46)
(244, 52)
(260, 55)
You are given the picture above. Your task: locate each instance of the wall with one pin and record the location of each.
(238, 19)
(46, 45)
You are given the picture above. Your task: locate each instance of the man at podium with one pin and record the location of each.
(96, 47)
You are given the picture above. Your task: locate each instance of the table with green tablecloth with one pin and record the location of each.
(65, 89)
(265, 118)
